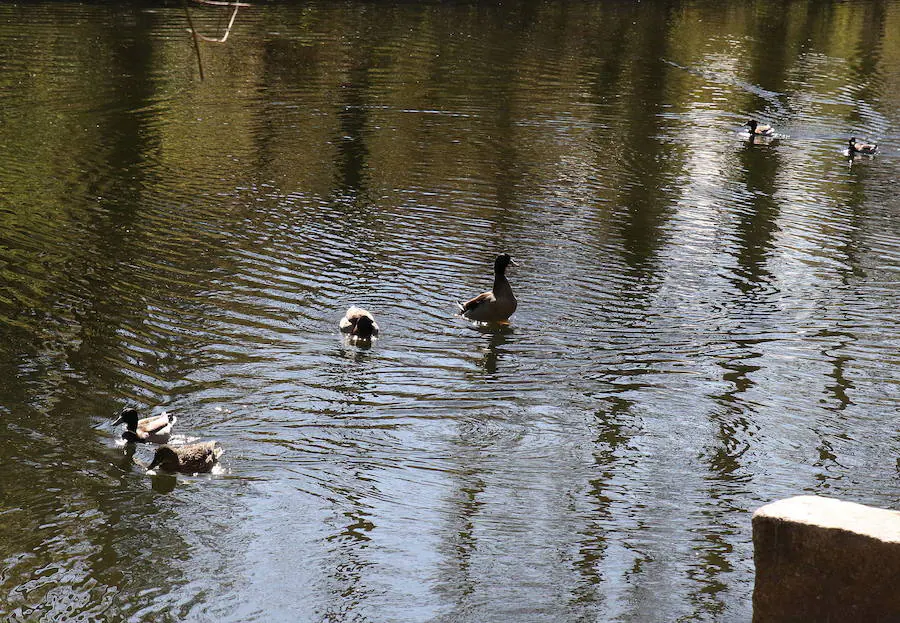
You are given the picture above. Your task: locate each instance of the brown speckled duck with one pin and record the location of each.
(195, 458)
(854, 147)
(156, 429)
(756, 129)
(359, 323)
(498, 304)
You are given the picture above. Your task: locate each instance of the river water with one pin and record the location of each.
(705, 324)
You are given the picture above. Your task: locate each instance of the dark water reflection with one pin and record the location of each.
(705, 324)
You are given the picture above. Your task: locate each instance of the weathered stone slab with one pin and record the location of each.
(821, 559)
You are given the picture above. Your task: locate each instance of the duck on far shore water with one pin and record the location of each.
(757, 129)
(359, 323)
(498, 304)
(855, 147)
(155, 429)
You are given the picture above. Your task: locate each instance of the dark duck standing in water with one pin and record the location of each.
(498, 304)
(195, 458)
(359, 324)
(156, 429)
(759, 130)
(854, 147)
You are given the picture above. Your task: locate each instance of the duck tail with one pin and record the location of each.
(462, 308)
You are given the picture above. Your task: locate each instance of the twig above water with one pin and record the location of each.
(197, 36)
(227, 29)
(223, 3)
(187, 14)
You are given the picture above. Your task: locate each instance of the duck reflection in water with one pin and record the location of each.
(163, 482)
(128, 458)
(499, 333)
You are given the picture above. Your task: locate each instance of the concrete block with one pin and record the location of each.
(821, 559)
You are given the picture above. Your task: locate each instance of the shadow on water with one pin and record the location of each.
(349, 560)
(163, 483)
(732, 419)
(507, 172)
(459, 575)
(866, 65)
(98, 547)
(757, 222)
(769, 59)
(837, 343)
(614, 426)
(645, 206)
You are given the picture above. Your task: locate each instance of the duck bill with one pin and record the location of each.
(118, 421)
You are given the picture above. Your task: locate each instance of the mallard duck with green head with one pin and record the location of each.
(155, 429)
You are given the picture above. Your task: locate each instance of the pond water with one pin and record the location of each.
(705, 324)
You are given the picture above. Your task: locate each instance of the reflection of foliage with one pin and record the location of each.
(197, 36)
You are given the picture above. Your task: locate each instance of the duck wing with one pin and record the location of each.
(478, 301)
(157, 424)
(355, 313)
(347, 324)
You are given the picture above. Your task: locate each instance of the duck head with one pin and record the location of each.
(752, 123)
(166, 458)
(129, 416)
(503, 260)
(364, 328)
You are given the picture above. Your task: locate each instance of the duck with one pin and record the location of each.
(195, 458)
(156, 429)
(854, 148)
(359, 323)
(498, 304)
(759, 130)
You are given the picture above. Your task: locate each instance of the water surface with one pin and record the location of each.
(705, 324)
